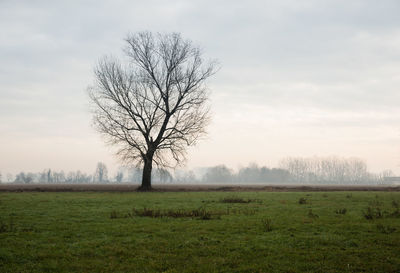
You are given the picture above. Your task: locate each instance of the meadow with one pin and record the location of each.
(200, 232)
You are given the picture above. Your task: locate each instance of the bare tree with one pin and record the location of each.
(101, 174)
(155, 106)
(218, 174)
(24, 178)
(119, 176)
(10, 177)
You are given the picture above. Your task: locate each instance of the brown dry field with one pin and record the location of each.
(189, 188)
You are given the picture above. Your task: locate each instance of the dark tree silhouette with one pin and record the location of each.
(155, 106)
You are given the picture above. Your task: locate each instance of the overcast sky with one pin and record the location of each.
(297, 78)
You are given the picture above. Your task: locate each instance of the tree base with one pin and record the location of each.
(145, 188)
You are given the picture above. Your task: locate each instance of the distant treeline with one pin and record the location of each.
(316, 170)
(332, 170)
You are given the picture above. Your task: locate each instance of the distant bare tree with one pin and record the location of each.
(185, 177)
(59, 177)
(119, 176)
(218, 174)
(101, 174)
(24, 178)
(135, 175)
(46, 176)
(9, 177)
(155, 106)
(163, 176)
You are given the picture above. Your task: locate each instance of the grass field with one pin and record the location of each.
(200, 232)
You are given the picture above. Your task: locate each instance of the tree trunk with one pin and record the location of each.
(146, 177)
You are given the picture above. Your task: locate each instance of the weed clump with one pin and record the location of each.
(373, 213)
(385, 229)
(341, 211)
(4, 227)
(234, 199)
(302, 201)
(236, 211)
(205, 216)
(312, 215)
(200, 213)
(267, 224)
(113, 214)
(395, 214)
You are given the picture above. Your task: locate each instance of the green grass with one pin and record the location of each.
(115, 232)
